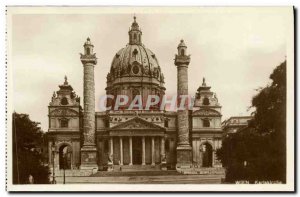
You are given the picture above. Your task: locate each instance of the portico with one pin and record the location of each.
(137, 142)
(141, 150)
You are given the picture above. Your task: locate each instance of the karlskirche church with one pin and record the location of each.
(132, 139)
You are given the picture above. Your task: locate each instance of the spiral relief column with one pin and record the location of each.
(184, 149)
(88, 150)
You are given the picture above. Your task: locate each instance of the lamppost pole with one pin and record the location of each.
(66, 156)
(64, 172)
(53, 165)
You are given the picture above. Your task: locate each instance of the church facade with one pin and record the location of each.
(133, 139)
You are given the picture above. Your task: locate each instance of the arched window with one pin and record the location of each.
(64, 123)
(206, 123)
(205, 101)
(64, 101)
(182, 52)
(88, 51)
(134, 36)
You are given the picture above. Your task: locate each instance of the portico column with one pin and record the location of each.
(163, 158)
(110, 154)
(143, 154)
(111, 142)
(152, 152)
(162, 147)
(121, 151)
(130, 150)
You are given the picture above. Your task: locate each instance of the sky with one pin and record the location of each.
(235, 50)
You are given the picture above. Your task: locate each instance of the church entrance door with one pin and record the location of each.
(136, 150)
(65, 157)
(207, 155)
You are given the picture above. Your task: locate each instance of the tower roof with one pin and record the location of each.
(135, 33)
(203, 87)
(65, 86)
(135, 25)
(88, 42)
(181, 44)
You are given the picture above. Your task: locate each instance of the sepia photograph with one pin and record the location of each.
(150, 98)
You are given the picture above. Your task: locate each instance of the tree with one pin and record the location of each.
(270, 120)
(258, 152)
(27, 157)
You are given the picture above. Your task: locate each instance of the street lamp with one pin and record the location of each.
(64, 167)
(53, 165)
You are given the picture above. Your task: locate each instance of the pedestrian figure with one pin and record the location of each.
(30, 179)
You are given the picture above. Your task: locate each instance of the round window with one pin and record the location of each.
(135, 69)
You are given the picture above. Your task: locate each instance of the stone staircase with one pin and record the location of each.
(131, 168)
(135, 173)
(142, 178)
(147, 175)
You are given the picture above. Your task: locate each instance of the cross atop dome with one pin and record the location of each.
(135, 33)
(134, 25)
(66, 80)
(203, 82)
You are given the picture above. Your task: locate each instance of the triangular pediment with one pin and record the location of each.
(137, 123)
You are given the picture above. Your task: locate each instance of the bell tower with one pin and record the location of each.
(88, 150)
(184, 149)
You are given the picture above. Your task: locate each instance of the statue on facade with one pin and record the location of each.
(110, 158)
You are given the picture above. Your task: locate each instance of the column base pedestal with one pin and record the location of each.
(110, 167)
(89, 158)
(184, 157)
(163, 166)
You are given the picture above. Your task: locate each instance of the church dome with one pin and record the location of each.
(135, 68)
(135, 59)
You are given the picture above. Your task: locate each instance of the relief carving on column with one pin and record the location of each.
(183, 128)
(89, 106)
